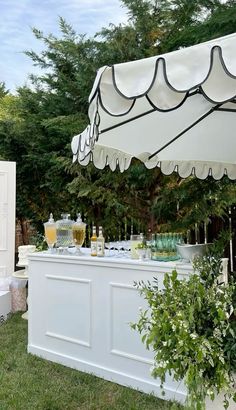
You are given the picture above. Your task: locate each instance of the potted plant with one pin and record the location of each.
(190, 325)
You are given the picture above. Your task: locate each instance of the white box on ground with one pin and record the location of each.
(5, 305)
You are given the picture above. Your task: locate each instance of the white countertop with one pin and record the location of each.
(107, 260)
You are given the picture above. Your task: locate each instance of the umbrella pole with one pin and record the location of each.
(205, 232)
(231, 241)
(196, 233)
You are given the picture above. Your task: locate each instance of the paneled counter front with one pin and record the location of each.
(80, 309)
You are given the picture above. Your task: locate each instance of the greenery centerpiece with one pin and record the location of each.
(191, 327)
(143, 250)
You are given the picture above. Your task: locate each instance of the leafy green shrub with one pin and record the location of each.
(39, 241)
(190, 327)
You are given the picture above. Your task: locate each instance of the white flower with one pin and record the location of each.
(217, 333)
(163, 363)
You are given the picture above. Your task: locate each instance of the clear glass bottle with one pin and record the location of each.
(93, 242)
(100, 243)
(50, 232)
(64, 231)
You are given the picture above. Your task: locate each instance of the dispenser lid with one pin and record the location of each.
(79, 220)
(50, 220)
(65, 216)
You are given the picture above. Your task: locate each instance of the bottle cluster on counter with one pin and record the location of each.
(97, 243)
(66, 233)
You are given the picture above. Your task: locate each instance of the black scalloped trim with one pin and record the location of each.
(138, 95)
(186, 92)
(108, 112)
(166, 76)
(98, 86)
(168, 109)
(214, 101)
(192, 172)
(222, 61)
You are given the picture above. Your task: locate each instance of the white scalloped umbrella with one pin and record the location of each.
(176, 111)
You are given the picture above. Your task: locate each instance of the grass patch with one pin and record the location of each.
(30, 383)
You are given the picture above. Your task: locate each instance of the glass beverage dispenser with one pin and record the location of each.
(64, 231)
(78, 231)
(50, 232)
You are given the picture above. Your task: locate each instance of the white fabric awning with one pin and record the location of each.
(176, 111)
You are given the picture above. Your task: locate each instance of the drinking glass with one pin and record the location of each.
(135, 241)
(142, 253)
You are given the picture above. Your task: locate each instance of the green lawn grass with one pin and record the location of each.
(30, 383)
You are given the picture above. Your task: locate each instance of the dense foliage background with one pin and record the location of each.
(38, 123)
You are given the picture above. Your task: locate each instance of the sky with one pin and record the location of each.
(17, 17)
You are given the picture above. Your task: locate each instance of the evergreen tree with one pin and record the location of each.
(37, 126)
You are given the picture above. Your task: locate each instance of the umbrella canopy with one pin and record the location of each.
(176, 111)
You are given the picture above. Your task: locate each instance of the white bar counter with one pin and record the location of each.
(80, 309)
